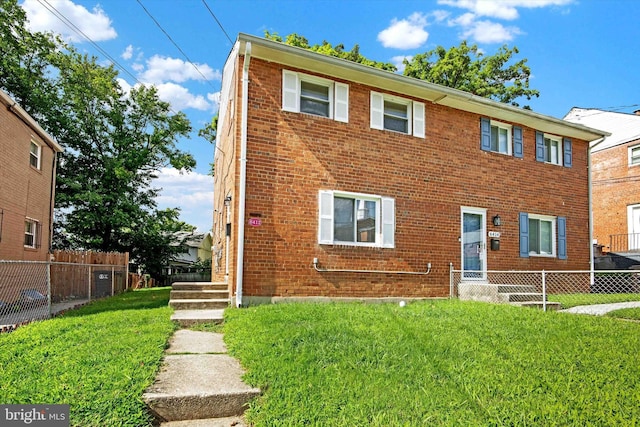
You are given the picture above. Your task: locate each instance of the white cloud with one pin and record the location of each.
(406, 33)
(490, 32)
(162, 69)
(191, 192)
(502, 9)
(95, 24)
(180, 98)
(128, 53)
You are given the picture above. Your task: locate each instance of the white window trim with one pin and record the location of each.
(630, 150)
(415, 114)
(35, 223)
(509, 129)
(554, 236)
(38, 155)
(560, 153)
(338, 95)
(384, 220)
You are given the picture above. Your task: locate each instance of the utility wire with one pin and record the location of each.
(219, 24)
(175, 44)
(78, 31)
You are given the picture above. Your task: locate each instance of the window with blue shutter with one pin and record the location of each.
(562, 237)
(485, 134)
(568, 153)
(518, 150)
(539, 146)
(524, 235)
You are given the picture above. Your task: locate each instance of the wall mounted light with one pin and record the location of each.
(497, 221)
(227, 201)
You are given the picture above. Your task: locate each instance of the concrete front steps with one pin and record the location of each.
(520, 295)
(198, 302)
(199, 384)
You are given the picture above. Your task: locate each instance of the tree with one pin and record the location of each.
(210, 132)
(465, 68)
(461, 67)
(115, 142)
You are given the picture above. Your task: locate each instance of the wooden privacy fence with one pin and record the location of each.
(88, 274)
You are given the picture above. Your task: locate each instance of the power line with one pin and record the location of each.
(78, 31)
(175, 44)
(219, 24)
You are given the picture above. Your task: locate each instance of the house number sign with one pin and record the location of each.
(255, 222)
(494, 234)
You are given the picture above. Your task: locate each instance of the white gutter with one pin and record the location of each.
(243, 173)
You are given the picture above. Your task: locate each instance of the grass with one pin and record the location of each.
(626, 313)
(572, 300)
(98, 358)
(440, 363)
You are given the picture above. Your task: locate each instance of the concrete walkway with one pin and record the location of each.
(601, 309)
(199, 384)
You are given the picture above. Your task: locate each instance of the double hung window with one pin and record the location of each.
(554, 150)
(302, 93)
(356, 219)
(397, 114)
(500, 137)
(634, 155)
(543, 235)
(31, 229)
(34, 155)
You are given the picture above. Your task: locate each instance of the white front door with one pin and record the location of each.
(474, 243)
(633, 215)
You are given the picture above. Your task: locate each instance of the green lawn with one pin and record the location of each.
(99, 359)
(441, 363)
(572, 300)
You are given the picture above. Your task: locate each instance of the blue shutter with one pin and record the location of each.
(562, 237)
(517, 142)
(539, 146)
(524, 235)
(485, 134)
(568, 154)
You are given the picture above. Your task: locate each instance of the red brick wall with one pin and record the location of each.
(24, 190)
(291, 156)
(615, 186)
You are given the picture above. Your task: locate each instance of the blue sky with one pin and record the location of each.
(582, 53)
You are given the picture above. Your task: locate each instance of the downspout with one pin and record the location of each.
(590, 184)
(243, 173)
(53, 197)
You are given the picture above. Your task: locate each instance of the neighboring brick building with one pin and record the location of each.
(27, 184)
(342, 180)
(615, 178)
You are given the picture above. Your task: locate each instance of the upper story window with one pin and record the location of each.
(554, 149)
(634, 155)
(31, 233)
(543, 235)
(302, 93)
(500, 137)
(34, 155)
(397, 114)
(356, 219)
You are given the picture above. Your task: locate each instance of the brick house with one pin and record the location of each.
(615, 177)
(27, 185)
(337, 180)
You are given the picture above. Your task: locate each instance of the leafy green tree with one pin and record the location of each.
(461, 67)
(115, 142)
(209, 132)
(464, 67)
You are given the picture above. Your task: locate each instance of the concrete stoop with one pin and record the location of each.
(520, 295)
(198, 302)
(199, 384)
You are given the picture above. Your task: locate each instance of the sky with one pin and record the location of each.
(582, 53)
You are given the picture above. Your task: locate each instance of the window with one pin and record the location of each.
(500, 137)
(303, 93)
(356, 219)
(634, 155)
(31, 233)
(34, 155)
(554, 150)
(397, 114)
(540, 234)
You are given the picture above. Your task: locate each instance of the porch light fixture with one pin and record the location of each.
(227, 201)
(497, 221)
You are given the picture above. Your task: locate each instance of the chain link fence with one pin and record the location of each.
(33, 290)
(549, 290)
